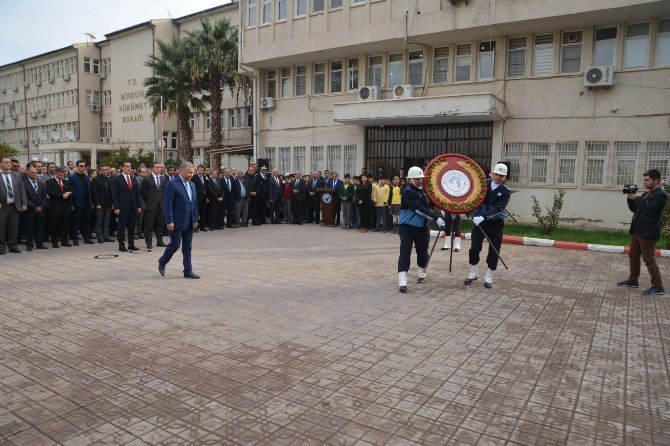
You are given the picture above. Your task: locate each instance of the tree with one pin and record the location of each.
(548, 222)
(172, 81)
(116, 157)
(7, 150)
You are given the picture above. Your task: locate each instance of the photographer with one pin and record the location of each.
(645, 230)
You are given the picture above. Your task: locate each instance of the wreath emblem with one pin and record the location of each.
(455, 183)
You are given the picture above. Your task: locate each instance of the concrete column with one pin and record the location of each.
(94, 158)
(64, 160)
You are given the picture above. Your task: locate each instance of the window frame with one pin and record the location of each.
(626, 50)
(603, 158)
(304, 77)
(268, 81)
(492, 53)
(278, 10)
(419, 62)
(332, 73)
(659, 36)
(543, 46)
(441, 58)
(566, 156)
(286, 78)
(400, 72)
(319, 73)
(369, 80)
(462, 57)
(581, 51)
(264, 4)
(350, 71)
(251, 15)
(611, 40)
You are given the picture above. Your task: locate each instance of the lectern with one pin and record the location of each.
(327, 205)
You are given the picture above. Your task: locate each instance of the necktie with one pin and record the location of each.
(277, 180)
(8, 182)
(129, 183)
(188, 190)
(35, 185)
(60, 186)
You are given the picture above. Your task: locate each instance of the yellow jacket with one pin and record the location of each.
(380, 195)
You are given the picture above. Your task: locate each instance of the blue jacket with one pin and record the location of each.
(495, 202)
(177, 207)
(414, 208)
(78, 191)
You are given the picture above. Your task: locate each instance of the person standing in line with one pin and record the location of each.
(83, 204)
(364, 194)
(394, 200)
(227, 182)
(126, 203)
(35, 215)
(60, 203)
(380, 196)
(346, 193)
(242, 204)
(151, 191)
(102, 202)
(275, 195)
(298, 198)
(13, 200)
(287, 203)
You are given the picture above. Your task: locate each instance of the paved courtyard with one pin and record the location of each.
(298, 336)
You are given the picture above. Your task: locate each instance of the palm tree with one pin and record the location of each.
(171, 80)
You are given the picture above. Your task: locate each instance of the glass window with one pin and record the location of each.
(301, 81)
(395, 74)
(284, 162)
(208, 121)
(416, 67)
(516, 57)
(594, 163)
(605, 46)
(251, 13)
(282, 9)
(336, 76)
(441, 64)
(299, 159)
(375, 71)
(300, 7)
(319, 78)
(486, 59)
(543, 55)
(571, 52)
(513, 154)
(350, 154)
(270, 153)
(87, 64)
(267, 11)
(658, 157)
(335, 4)
(317, 5)
(663, 43)
(566, 162)
(271, 84)
(539, 161)
(625, 160)
(285, 82)
(463, 63)
(636, 48)
(353, 73)
(334, 158)
(316, 158)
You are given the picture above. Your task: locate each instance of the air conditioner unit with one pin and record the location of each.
(95, 108)
(66, 77)
(36, 142)
(402, 91)
(38, 83)
(103, 75)
(367, 93)
(16, 88)
(599, 76)
(41, 113)
(33, 115)
(52, 80)
(26, 85)
(267, 103)
(23, 142)
(15, 117)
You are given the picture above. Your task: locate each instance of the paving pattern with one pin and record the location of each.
(298, 336)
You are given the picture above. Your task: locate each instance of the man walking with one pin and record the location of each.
(181, 215)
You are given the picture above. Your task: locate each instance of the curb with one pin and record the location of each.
(547, 243)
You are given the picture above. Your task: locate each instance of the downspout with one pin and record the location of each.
(25, 109)
(153, 53)
(254, 88)
(76, 51)
(99, 95)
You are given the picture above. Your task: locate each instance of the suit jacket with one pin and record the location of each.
(238, 188)
(178, 209)
(312, 186)
(301, 187)
(214, 190)
(58, 204)
(36, 199)
(124, 199)
(262, 185)
(276, 192)
(102, 191)
(228, 193)
(647, 214)
(151, 193)
(78, 191)
(200, 187)
(18, 190)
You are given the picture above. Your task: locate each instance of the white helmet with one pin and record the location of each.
(500, 169)
(415, 172)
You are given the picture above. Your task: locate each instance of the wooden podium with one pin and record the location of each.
(327, 204)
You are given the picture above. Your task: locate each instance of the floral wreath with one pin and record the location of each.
(442, 199)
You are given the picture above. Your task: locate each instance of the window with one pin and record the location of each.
(663, 43)
(107, 65)
(636, 48)
(317, 5)
(107, 98)
(625, 160)
(300, 81)
(271, 84)
(395, 75)
(285, 82)
(513, 154)
(516, 57)
(658, 157)
(284, 162)
(350, 154)
(375, 71)
(594, 162)
(353, 73)
(571, 52)
(241, 117)
(486, 59)
(605, 46)
(282, 9)
(270, 153)
(319, 78)
(251, 12)
(416, 67)
(90, 66)
(334, 158)
(335, 4)
(195, 121)
(441, 64)
(208, 121)
(336, 76)
(316, 159)
(106, 130)
(299, 159)
(300, 7)
(233, 118)
(267, 11)
(539, 161)
(170, 140)
(543, 55)
(566, 162)
(463, 63)
(92, 97)
(357, 2)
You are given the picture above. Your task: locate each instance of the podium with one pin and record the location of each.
(327, 199)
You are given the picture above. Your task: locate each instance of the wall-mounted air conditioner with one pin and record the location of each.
(52, 80)
(267, 103)
(66, 77)
(38, 83)
(41, 113)
(599, 76)
(95, 108)
(35, 142)
(402, 91)
(23, 142)
(367, 93)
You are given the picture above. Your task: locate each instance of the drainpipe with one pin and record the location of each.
(76, 52)
(25, 109)
(153, 53)
(254, 88)
(99, 95)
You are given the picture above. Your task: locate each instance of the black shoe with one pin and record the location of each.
(89, 242)
(468, 281)
(421, 279)
(42, 247)
(161, 244)
(488, 284)
(54, 245)
(2, 253)
(101, 241)
(191, 275)
(203, 229)
(402, 289)
(149, 246)
(75, 242)
(133, 248)
(653, 291)
(629, 283)
(444, 249)
(161, 269)
(107, 239)
(29, 248)
(67, 245)
(123, 249)
(15, 250)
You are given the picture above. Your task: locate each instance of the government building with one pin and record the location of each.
(572, 94)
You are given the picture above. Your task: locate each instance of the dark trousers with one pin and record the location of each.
(297, 210)
(367, 215)
(453, 226)
(202, 210)
(644, 247)
(9, 227)
(183, 238)
(494, 229)
(153, 223)
(259, 206)
(214, 214)
(126, 223)
(102, 222)
(58, 223)
(380, 217)
(35, 229)
(81, 217)
(313, 209)
(419, 237)
(338, 208)
(276, 207)
(228, 209)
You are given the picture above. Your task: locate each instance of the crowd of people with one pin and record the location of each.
(43, 205)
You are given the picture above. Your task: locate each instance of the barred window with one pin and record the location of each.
(334, 158)
(316, 158)
(301, 81)
(625, 160)
(539, 161)
(441, 65)
(299, 159)
(350, 155)
(594, 162)
(513, 154)
(284, 163)
(270, 153)
(566, 161)
(658, 157)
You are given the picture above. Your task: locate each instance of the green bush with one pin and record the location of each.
(7, 150)
(548, 222)
(123, 154)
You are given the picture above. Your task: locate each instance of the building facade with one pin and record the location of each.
(379, 83)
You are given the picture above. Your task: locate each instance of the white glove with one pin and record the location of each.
(477, 220)
(444, 214)
(440, 223)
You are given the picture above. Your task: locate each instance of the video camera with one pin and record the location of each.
(629, 189)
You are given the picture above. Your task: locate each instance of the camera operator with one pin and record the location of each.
(645, 230)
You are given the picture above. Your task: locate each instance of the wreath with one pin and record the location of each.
(455, 183)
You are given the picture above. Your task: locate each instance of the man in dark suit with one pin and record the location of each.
(227, 183)
(126, 202)
(60, 205)
(12, 201)
(242, 198)
(199, 179)
(298, 198)
(215, 205)
(334, 183)
(313, 198)
(83, 203)
(151, 192)
(181, 216)
(276, 194)
(102, 202)
(260, 191)
(35, 215)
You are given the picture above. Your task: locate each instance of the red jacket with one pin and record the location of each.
(287, 192)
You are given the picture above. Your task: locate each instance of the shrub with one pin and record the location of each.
(665, 221)
(548, 222)
(7, 150)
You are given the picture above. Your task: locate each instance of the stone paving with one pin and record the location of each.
(298, 336)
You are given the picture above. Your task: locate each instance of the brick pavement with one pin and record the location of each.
(298, 336)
